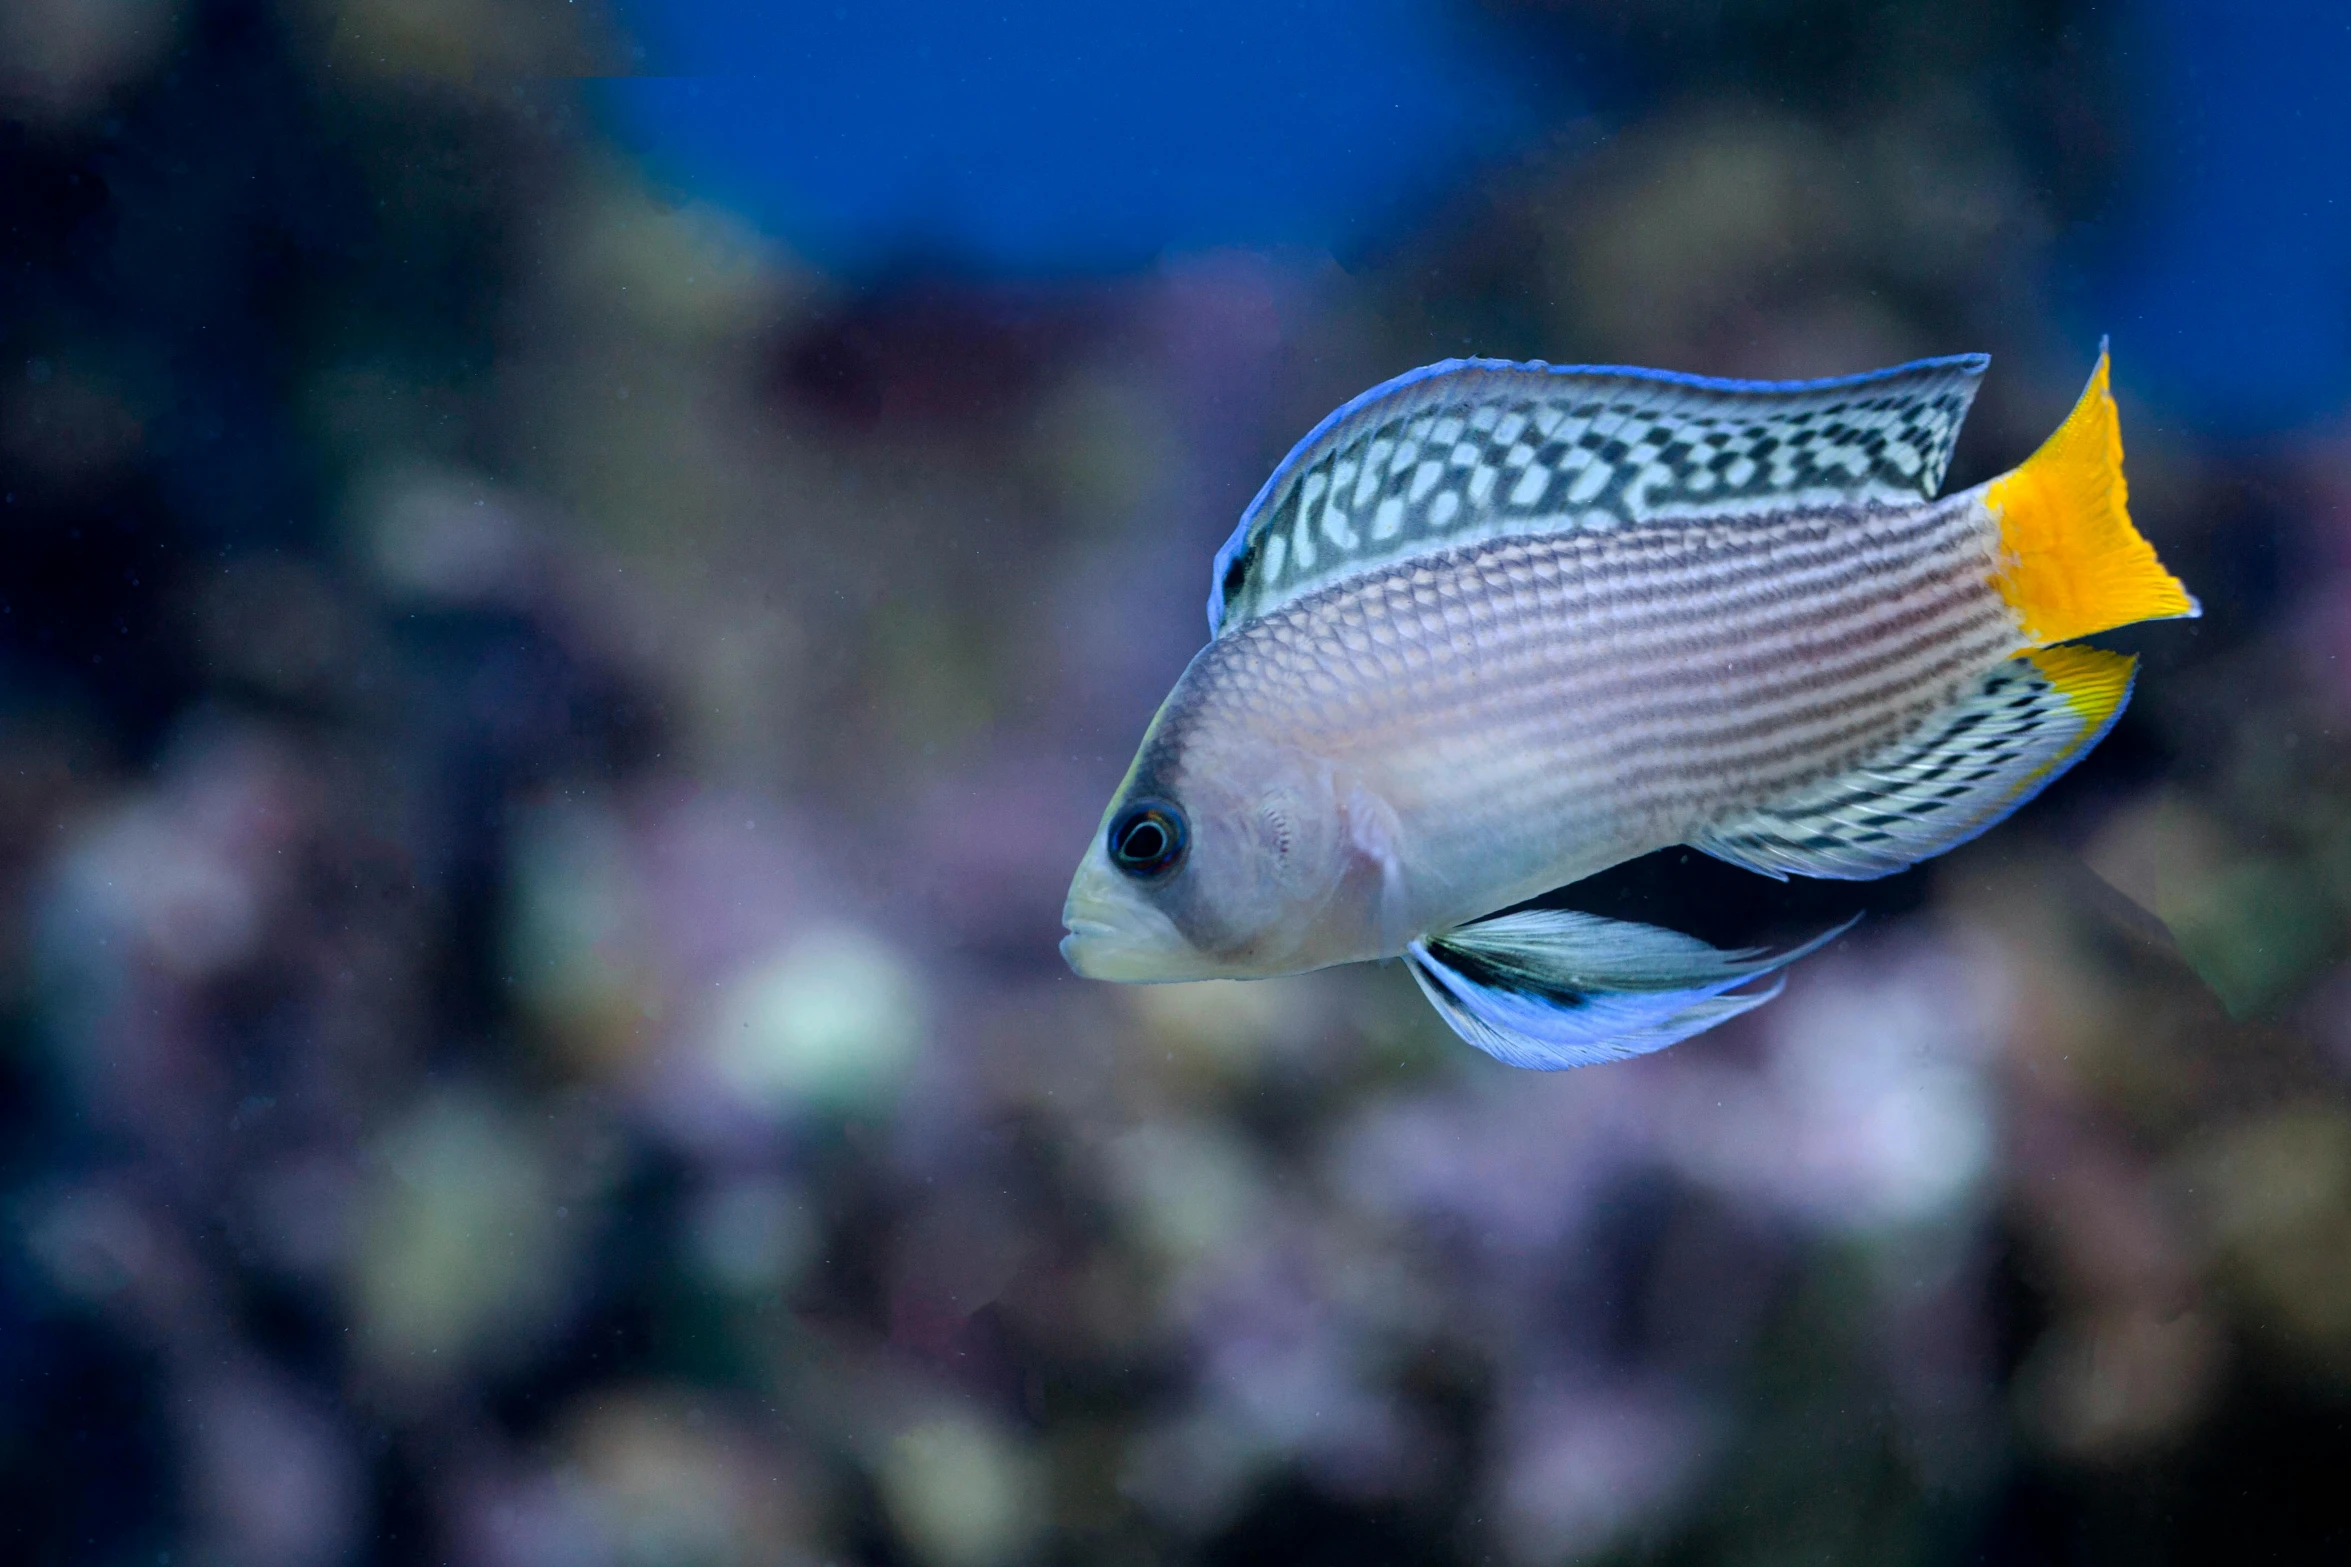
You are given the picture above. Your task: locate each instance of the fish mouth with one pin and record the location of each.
(1085, 948)
(1095, 950)
(1115, 936)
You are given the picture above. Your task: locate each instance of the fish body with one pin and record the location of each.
(1494, 628)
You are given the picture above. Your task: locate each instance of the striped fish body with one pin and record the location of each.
(1492, 628)
(1536, 709)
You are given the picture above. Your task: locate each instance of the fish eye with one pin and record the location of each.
(1147, 839)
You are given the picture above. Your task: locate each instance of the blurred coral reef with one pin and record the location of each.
(541, 741)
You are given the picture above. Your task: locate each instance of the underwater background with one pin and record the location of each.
(575, 576)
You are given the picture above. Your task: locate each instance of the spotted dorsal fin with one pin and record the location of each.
(1474, 449)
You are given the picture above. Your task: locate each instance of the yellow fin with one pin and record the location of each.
(2094, 683)
(2070, 561)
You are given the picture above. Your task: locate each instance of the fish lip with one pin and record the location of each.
(1083, 960)
(1117, 963)
(1096, 951)
(1108, 942)
(1083, 948)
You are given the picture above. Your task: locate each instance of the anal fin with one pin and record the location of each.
(1552, 988)
(1961, 772)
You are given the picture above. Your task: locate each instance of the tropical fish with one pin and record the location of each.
(1493, 627)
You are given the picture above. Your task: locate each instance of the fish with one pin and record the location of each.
(1493, 627)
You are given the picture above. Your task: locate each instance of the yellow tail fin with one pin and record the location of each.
(2070, 561)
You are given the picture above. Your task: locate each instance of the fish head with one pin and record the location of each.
(1239, 870)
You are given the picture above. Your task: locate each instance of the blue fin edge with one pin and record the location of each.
(1527, 1029)
(1618, 1025)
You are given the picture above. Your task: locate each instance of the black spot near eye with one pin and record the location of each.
(1147, 839)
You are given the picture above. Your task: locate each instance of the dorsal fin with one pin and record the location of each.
(1473, 449)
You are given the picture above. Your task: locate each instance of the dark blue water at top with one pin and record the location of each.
(1048, 137)
(1054, 136)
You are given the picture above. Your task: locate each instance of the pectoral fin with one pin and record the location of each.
(1371, 829)
(1551, 988)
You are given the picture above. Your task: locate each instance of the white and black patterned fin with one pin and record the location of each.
(1549, 988)
(1474, 449)
(1961, 772)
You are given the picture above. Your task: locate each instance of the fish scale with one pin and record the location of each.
(1545, 728)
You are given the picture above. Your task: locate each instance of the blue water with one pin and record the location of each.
(2227, 271)
(1048, 137)
(1052, 136)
